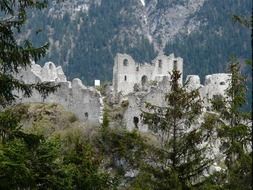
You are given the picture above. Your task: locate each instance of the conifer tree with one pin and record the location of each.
(179, 161)
(16, 54)
(234, 131)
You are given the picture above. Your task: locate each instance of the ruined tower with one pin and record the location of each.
(127, 73)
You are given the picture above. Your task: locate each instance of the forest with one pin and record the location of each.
(42, 146)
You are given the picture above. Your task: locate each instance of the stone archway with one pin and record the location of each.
(125, 62)
(50, 66)
(144, 80)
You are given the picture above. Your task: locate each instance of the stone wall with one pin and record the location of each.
(137, 83)
(74, 96)
(127, 73)
(214, 85)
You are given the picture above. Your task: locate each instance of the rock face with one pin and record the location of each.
(74, 96)
(85, 35)
(127, 73)
(167, 18)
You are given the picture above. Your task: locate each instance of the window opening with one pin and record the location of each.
(175, 65)
(160, 63)
(125, 62)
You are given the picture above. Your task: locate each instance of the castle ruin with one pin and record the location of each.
(84, 102)
(140, 83)
(152, 80)
(127, 72)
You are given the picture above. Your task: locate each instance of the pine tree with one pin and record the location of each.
(234, 131)
(15, 55)
(15, 144)
(179, 161)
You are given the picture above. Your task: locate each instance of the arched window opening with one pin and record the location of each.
(136, 121)
(175, 65)
(125, 62)
(137, 68)
(125, 78)
(50, 66)
(144, 80)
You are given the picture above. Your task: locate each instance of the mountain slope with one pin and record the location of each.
(85, 35)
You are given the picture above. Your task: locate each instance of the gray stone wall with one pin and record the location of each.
(127, 73)
(214, 85)
(74, 96)
(137, 83)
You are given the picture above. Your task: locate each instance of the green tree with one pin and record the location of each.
(179, 161)
(29, 161)
(84, 163)
(16, 147)
(234, 131)
(35, 166)
(15, 54)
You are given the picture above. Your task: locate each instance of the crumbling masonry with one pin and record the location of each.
(134, 82)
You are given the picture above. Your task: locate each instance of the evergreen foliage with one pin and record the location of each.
(17, 55)
(86, 46)
(71, 160)
(209, 49)
(99, 43)
(65, 160)
(234, 129)
(179, 161)
(124, 152)
(30, 161)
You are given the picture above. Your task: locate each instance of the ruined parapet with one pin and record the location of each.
(215, 85)
(124, 73)
(74, 96)
(164, 84)
(193, 82)
(49, 72)
(164, 65)
(127, 72)
(60, 75)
